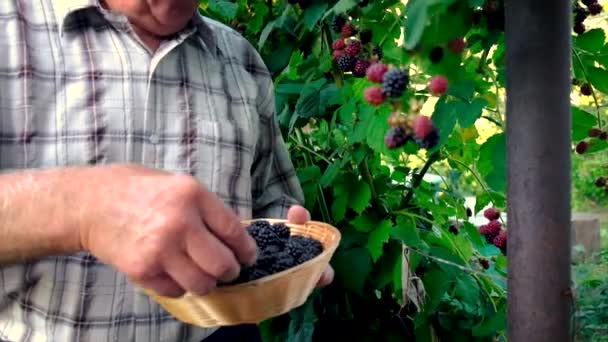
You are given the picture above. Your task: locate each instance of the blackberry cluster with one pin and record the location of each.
(405, 128)
(593, 134)
(493, 231)
(353, 50)
(582, 12)
(279, 250)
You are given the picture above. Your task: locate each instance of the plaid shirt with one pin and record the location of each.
(77, 87)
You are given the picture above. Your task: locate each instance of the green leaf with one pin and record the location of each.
(491, 323)
(294, 62)
(302, 324)
(338, 208)
(467, 291)
(416, 13)
(378, 238)
(226, 9)
(308, 174)
(407, 232)
(360, 197)
(445, 116)
(591, 41)
(364, 223)
(492, 162)
(463, 89)
(352, 268)
(473, 112)
(436, 283)
(343, 6)
(265, 34)
(598, 78)
(330, 173)
(260, 11)
(313, 14)
(582, 122)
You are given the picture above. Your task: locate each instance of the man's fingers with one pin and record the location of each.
(227, 227)
(298, 215)
(187, 274)
(163, 285)
(211, 255)
(327, 277)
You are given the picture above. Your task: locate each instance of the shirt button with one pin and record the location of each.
(154, 138)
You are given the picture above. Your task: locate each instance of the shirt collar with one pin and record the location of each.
(64, 8)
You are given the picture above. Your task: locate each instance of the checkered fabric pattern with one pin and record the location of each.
(77, 87)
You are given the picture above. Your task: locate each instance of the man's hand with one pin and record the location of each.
(166, 232)
(299, 215)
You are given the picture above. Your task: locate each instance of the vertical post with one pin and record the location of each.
(538, 48)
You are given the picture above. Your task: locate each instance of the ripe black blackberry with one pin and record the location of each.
(396, 137)
(453, 229)
(360, 68)
(579, 28)
(337, 22)
(604, 135)
(347, 63)
(586, 89)
(588, 2)
(595, 8)
(282, 231)
(600, 182)
(430, 141)
(394, 83)
(378, 52)
(365, 36)
(485, 263)
(436, 54)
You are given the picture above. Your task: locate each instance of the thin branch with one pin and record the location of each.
(597, 106)
(417, 179)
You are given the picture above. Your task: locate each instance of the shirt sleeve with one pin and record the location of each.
(275, 186)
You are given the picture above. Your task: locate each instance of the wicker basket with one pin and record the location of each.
(260, 299)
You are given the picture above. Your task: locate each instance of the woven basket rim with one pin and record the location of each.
(260, 282)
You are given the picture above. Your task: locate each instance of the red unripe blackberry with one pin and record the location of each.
(600, 182)
(361, 68)
(374, 95)
(353, 48)
(456, 45)
(438, 85)
(422, 126)
(338, 44)
(375, 73)
(586, 89)
(595, 132)
(500, 241)
(338, 54)
(491, 214)
(494, 227)
(483, 229)
(348, 30)
(582, 147)
(595, 8)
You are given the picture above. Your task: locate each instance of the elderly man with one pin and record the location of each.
(134, 135)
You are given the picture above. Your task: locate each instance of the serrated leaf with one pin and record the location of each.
(313, 14)
(591, 41)
(360, 197)
(225, 9)
(352, 268)
(582, 122)
(492, 162)
(378, 238)
(598, 78)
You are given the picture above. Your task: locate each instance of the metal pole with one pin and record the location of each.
(538, 153)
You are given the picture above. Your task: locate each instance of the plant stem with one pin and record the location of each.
(364, 168)
(417, 179)
(597, 106)
(269, 5)
(322, 202)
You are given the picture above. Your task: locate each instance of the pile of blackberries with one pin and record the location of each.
(593, 7)
(352, 49)
(278, 250)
